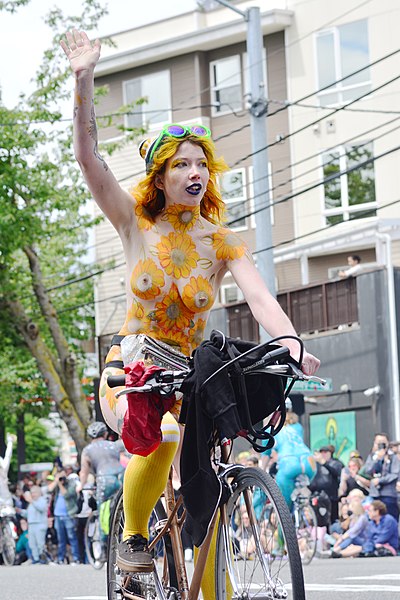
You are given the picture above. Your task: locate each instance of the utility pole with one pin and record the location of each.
(258, 109)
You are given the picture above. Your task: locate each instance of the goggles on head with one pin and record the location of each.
(147, 148)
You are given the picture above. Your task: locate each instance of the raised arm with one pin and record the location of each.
(115, 202)
(266, 310)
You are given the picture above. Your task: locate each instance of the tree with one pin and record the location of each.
(45, 288)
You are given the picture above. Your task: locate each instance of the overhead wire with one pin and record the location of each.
(313, 186)
(328, 228)
(315, 122)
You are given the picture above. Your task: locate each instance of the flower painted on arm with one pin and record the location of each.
(198, 294)
(228, 245)
(177, 254)
(181, 217)
(147, 279)
(171, 313)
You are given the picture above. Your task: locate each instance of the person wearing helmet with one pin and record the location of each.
(102, 458)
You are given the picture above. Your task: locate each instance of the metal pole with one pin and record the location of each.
(258, 121)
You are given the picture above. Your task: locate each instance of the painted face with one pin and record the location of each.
(186, 176)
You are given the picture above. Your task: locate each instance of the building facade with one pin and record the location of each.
(332, 89)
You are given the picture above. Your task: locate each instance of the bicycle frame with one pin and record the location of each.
(173, 526)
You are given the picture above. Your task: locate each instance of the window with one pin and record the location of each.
(352, 195)
(156, 88)
(226, 85)
(233, 191)
(341, 51)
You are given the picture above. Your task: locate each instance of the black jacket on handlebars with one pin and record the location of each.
(217, 408)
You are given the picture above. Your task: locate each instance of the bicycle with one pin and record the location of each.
(265, 564)
(95, 539)
(305, 519)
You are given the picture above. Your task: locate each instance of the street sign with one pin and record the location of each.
(312, 386)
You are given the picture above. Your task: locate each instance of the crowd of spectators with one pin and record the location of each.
(357, 503)
(52, 508)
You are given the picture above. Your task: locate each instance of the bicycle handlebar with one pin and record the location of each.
(166, 382)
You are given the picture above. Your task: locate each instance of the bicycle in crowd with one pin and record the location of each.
(97, 529)
(8, 534)
(257, 550)
(305, 519)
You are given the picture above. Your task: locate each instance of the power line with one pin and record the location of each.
(318, 184)
(335, 111)
(364, 213)
(367, 211)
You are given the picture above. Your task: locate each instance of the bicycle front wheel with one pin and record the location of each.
(257, 555)
(95, 546)
(306, 529)
(8, 543)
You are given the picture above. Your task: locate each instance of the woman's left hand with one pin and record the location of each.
(310, 363)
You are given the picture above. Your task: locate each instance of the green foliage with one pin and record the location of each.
(39, 446)
(13, 5)
(44, 225)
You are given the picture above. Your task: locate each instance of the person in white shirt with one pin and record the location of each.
(354, 267)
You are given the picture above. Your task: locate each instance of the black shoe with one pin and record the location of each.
(133, 555)
(335, 554)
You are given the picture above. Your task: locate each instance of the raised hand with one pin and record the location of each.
(80, 51)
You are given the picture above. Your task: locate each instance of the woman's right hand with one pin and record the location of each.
(81, 53)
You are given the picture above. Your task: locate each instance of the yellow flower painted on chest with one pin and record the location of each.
(144, 220)
(136, 321)
(147, 279)
(181, 217)
(196, 333)
(198, 294)
(177, 254)
(171, 312)
(228, 245)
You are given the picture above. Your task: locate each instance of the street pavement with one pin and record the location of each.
(330, 579)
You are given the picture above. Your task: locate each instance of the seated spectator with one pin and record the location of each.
(252, 461)
(383, 467)
(341, 525)
(22, 549)
(354, 267)
(351, 541)
(382, 534)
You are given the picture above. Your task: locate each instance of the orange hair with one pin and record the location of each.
(212, 207)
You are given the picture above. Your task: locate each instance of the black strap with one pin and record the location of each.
(116, 340)
(118, 364)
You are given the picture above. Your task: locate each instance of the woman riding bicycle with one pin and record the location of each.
(177, 252)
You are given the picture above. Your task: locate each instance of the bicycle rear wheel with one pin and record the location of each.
(120, 585)
(257, 554)
(95, 546)
(306, 532)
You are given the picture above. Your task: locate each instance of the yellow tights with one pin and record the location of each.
(144, 482)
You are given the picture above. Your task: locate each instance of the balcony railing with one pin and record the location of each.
(322, 307)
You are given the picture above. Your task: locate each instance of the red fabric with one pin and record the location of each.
(141, 431)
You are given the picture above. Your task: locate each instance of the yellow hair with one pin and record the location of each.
(212, 207)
